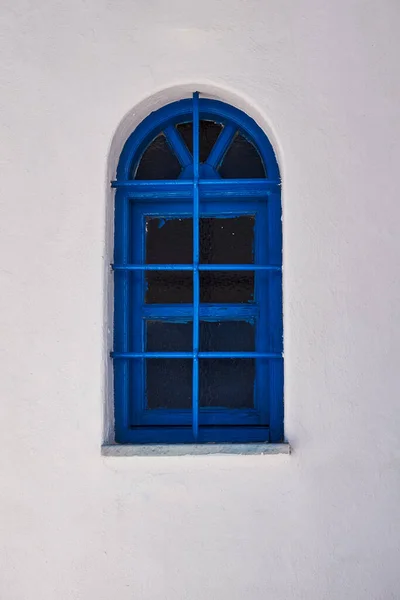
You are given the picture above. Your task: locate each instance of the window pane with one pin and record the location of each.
(227, 336)
(162, 336)
(169, 240)
(169, 383)
(158, 162)
(242, 160)
(227, 383)
(169, 287)
(208, 134)
(227, 240)
(226, 286)
(222, 240)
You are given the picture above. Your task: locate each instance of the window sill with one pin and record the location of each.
(193, 449)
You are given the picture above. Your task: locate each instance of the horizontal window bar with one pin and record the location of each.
(152, 354)
(183, 183)
(215, 184)
(203, 267)
(184, 435)
(247, 267)
(240, 355)
(215, 312)
(153, 184)
(192, 355)
(152, 267)
(183, 188)
(207, 416)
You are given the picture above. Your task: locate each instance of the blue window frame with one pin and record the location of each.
(198, 350)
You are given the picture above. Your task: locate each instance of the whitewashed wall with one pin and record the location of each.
(322, 524)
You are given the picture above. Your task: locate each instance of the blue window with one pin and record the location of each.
(198, 353)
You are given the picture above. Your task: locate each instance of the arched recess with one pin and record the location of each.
(200, 180)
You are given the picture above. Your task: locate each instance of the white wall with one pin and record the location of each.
(323, 79)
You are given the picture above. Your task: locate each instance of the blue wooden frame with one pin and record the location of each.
(197, 192)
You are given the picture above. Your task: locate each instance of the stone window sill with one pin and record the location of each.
(193, 449)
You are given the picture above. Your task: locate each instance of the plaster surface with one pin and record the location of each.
(323, 523)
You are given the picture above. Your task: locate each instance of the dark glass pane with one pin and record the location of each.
(222, 240)
(158, 162)
(186, 131)
(227, 336)
(227, 241)
(226, 286)
(242, 160)
(169, 383)
(169, 241)
(169, 287)
(208, 134)
(227, 383)
(163, 336)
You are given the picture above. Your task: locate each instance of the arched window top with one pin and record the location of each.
(231, 145)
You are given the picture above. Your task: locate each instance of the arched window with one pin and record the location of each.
(198, 279)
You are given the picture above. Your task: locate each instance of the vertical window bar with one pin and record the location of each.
(121, 339)
(275, 316)
(196, 280)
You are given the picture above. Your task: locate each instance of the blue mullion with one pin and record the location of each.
(143, 267)
(237, 188)
(261, 388)
(184, 435)
(213, 207)
(177, 144)
(222, 144)
(245, 267)
(150, 355)
(207, 416)
(270, 355)
(201, 267)
(182, 189)
(179, 355)
(141, 401)
(158, 185)
(137, 398)
(121, 317)
(196, 277)
(207, 312)
(274, 228)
